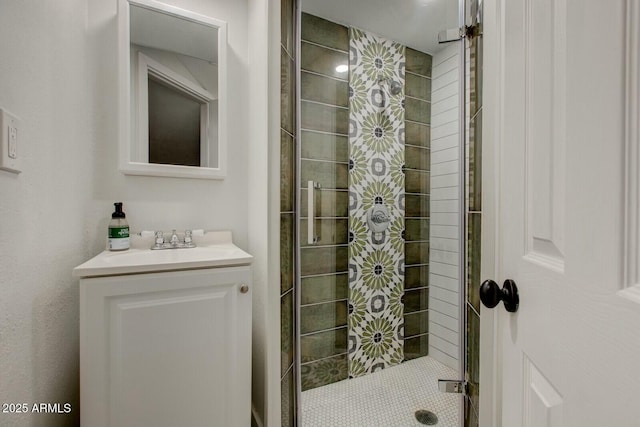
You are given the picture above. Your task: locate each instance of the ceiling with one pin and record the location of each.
(414, 23)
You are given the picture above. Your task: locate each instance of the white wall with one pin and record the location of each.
(58, 72)
(444, 280)
(264, 206)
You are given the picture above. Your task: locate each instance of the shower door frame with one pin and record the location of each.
(462, 214)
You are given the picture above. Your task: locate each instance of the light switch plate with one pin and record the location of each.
(10, 142)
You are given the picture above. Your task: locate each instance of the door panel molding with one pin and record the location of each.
(542, 404)
(545, 118)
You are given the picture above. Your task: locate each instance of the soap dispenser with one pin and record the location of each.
(118, 230)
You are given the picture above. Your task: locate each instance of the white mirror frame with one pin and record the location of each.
(126, 165)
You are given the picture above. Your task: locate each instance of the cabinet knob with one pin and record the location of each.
(244, 288)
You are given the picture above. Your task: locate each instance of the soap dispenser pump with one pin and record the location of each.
(118, 230)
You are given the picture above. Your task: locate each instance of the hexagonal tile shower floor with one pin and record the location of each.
(387, 398)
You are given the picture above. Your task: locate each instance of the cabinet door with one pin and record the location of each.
(166, 349)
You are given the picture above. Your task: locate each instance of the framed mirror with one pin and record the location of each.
(172, 91)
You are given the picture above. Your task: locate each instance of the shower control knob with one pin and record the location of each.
(244, 289)
(491, 295)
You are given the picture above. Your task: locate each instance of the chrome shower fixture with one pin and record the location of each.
(394, 87)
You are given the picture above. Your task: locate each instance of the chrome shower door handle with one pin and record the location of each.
(311, 208)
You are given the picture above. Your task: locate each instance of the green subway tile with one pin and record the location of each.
(416, 276)
(478, 71)
(418, 86)
(416, 300)
(323, 344)
(471, 83)
(287, 93)
(417, 110)
(417, 181)
(325, 33)
(323, 260)
(417, 158)
(473, 345)
(286, 332)
(328, 232)
(474, 399)
(287, 233)
(323, 372)
(475, 163)
(287, 172)
(416, 347)
(324, 146)
(470, 414)
(324, 288)
(474, 221)
(416, 253)
(288, 400)
(416, 324)
(325, 118)
(416, 205)
(324, 61)
(324, 89)
(328, 203)
(416, 229)
(287, 26)
(319, 317)
(475, 75)
(327, 174)
(418, 62)
(417, 134)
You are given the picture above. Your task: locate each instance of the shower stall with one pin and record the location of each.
(380, 212)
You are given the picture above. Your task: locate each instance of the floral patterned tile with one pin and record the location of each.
(376, 180)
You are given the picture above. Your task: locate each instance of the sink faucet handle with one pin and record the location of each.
(174, 238)
(187, 236)
(159, 238)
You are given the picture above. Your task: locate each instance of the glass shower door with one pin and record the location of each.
(378, 295)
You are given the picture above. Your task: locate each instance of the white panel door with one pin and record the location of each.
(567, 121)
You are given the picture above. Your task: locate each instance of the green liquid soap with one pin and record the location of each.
(118, 230)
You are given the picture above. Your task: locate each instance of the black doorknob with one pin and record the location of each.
(491, 294)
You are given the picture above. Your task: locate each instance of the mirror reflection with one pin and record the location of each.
(175, 79)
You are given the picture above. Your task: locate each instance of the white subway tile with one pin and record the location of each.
(444, 244)
(444, 168)
(444, 143)
(444, 320)
(451, 89)
(445, 295)
(443, 345)
(444, 155)
(437, 281)
(447, 270)
(448, 180)
(450, 310)
(445, 257)
(444, 104)
(444, 206)
(445, 193)
(443, 358)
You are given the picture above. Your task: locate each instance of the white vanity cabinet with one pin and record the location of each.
(166, 349)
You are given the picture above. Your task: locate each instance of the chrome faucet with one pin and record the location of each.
(174, 242)
(159, 240)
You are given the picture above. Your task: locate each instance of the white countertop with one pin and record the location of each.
(213, 249)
